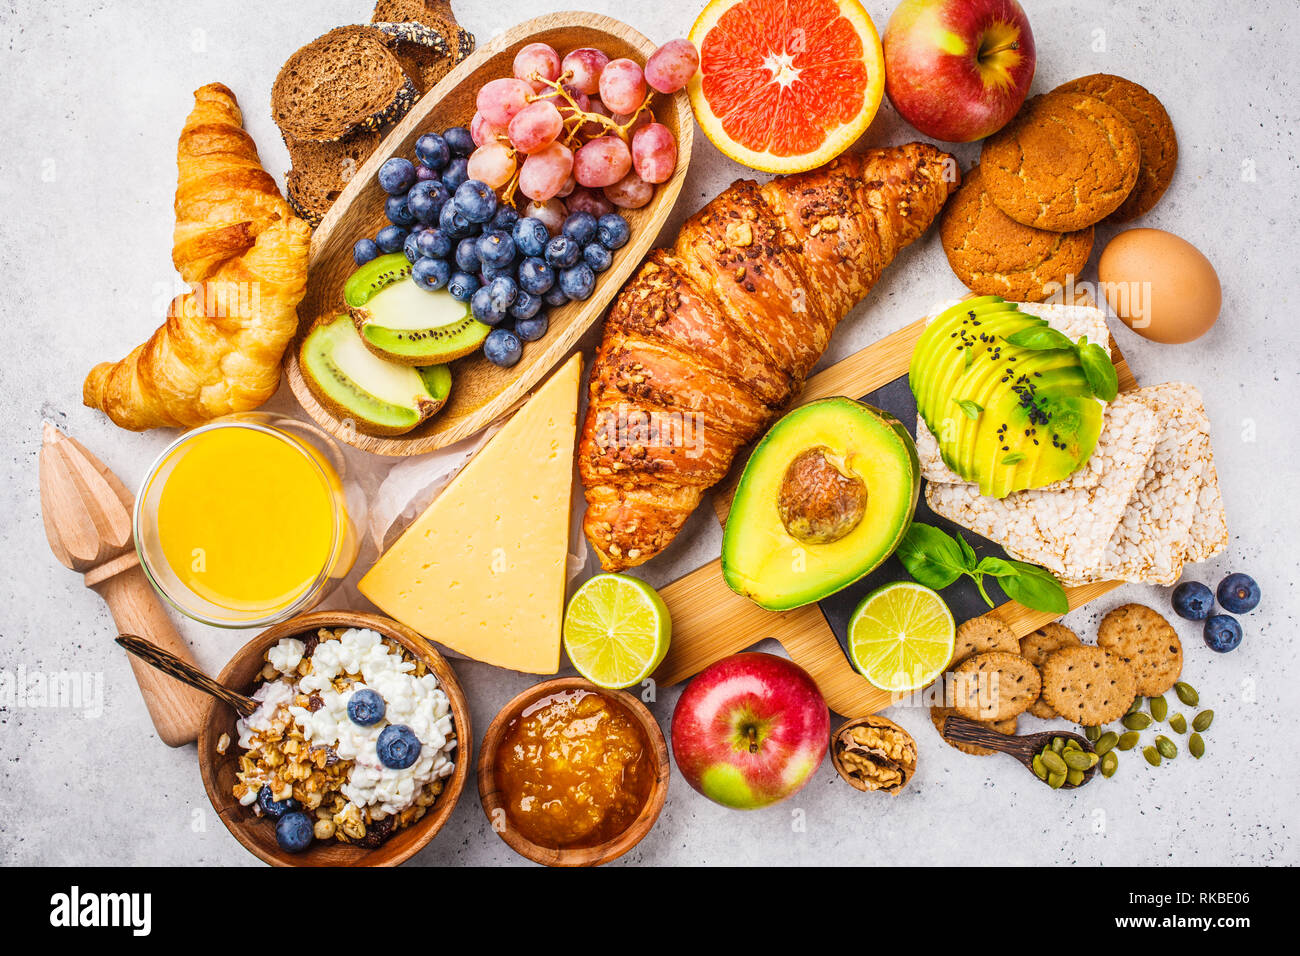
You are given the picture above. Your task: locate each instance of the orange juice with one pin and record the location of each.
(247, 520)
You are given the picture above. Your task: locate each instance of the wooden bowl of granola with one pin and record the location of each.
(219, 759)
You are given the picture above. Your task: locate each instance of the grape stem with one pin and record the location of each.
(578, 118)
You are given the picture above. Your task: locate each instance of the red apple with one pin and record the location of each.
(750, 730)
(958, 70)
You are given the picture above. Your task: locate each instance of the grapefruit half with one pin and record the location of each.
(786, 85)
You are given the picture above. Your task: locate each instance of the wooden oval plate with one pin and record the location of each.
(481, 392)
(218, 770)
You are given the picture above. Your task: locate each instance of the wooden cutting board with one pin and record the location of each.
(710, 621)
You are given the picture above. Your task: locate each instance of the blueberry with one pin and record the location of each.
(275, 808)
(502, 347)
(411, 247)
(391, 238)
(526, 305)
(459, 140)
(457, 172)
(431, 274)
(453, 223)
(580, 227)
(396, 176)
(578, 282)
(398, 747)
(504, 219)
(475, 200)
(1193, 600)
(293, 832)
(434, 244)
(597, 256)
(504, 291)
(426, 200)
(496, 249)
(535, 276)
(613, 231)
(562, 252)
(365, 707)
(531, 236)
(1222, 633)
(462, 286)
(488, 272)
(424, 173)
(467, 254)
(555, 296)
(432, 150)
(1238, 593)
(397, 211)
(530, 330)
(483, 308)
(365, 250)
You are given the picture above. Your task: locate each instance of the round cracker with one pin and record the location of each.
(1088, 685)
(1147, 643)
(1017, 686)
(1036, 647)
(939, 717)
(981, 634)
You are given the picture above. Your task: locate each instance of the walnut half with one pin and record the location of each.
(874, 753)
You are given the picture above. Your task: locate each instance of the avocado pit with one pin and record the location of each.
(820, 499)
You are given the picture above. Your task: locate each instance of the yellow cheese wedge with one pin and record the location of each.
(483, 569)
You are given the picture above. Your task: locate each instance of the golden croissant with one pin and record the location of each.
(244, 255)
(709, 342)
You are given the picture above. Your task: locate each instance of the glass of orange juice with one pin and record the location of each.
(243, 522)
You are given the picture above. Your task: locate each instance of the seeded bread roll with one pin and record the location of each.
(342, 82)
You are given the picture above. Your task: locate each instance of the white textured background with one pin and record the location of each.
(95, 95)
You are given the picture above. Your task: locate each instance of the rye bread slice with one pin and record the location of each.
(426, 53)
(345, 81)
(321, 171)
(424, 64)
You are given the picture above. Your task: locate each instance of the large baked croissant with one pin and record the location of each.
(710, 341)
(244, 255)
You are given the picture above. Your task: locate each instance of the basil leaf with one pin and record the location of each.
(997, 567)
(931, 557)
(967, 552)
(1100, 372)
(1036, 588)
(1012, 458)
(1040, 338)
(970, 409)
(970, 355)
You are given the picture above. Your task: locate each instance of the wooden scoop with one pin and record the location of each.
(1023, 748)
(87, 515)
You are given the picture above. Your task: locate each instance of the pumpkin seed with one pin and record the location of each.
(1129, 740)
(1109, 764)
(1040, 771)
(1075, 760)
(1092, 760)
(1159, 708)
(1055, 780)
(1135, 706)
(1074, 777)
(1092, 733)
(1072, 744)
(1152, 755)
(1187, 694)
(1167, 748)
(1136, 721)
(1179, 723)
(1058, 744)
(1196, 746)
(1106, 742)
(1053, 762)
(1201, 722)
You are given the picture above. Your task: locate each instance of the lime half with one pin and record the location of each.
(901, 636)
(616, 630)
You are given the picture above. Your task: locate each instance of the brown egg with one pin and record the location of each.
(1161, 285)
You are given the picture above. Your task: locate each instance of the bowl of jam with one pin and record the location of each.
(571, 774)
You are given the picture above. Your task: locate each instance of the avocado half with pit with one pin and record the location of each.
(403, 323)
(354, 384)
(826, 497)
(1005, 417)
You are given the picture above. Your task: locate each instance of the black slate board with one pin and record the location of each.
(962, 597)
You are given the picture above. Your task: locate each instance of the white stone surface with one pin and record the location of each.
(95, 96)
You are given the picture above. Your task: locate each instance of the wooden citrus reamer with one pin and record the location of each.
(87, 515)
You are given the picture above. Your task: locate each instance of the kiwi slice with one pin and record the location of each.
(382, 398)
(401, 322)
